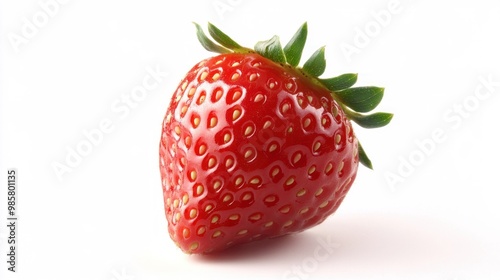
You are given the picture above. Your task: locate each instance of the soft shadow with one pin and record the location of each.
(258, 250)
(373, 241)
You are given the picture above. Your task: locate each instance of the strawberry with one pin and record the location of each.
(253, 146)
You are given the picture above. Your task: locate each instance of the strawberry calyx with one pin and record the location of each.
(356, 102)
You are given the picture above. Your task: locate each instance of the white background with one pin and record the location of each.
(429, 210)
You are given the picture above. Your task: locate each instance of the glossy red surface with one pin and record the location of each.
(251, 149)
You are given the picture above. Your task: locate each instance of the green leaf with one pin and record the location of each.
(293, 50)
(316, 64)
(271, 49)
(221, 38)
(361, 99)
(372, 121)
(340, 82)
(363, 158)
(208, 44)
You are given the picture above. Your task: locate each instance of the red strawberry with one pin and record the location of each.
(253, 146)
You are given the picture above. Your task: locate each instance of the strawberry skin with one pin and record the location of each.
(252, 148)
